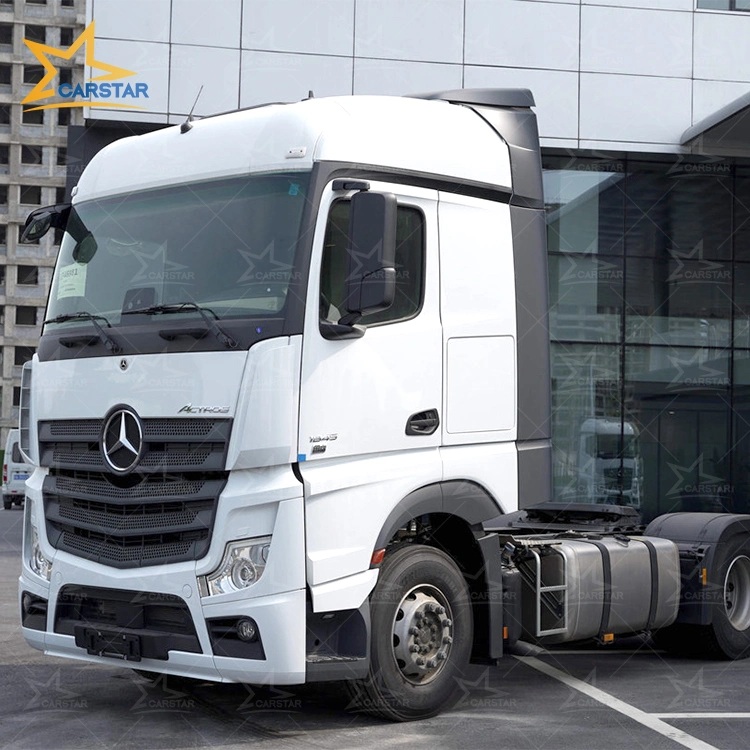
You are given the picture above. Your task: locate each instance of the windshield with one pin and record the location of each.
(608, 446)
(228, 246)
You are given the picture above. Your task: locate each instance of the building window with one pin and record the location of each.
(27, 275)
(60, 195)
(35, 33)
(62, 156)
(17, 388)
(23, 354)
(31, 154)
(3, 238)
(36, 2)
(5, 114)
(25, 315)
(6, 72)
(32, 73)
(3, 154)
(33, 117)
(66, 36)
(67, 3)
(649, 279)
(3, 195)
(6, 33)
(31, 195)
(409, 266)
(66, 75)
(63, 117)
(724, 4)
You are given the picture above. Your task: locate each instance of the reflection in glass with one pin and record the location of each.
(585, 297)
(658, 437)
(679, 211)
(584, 200)
(586, 422)
(678, 302)
(677, 399)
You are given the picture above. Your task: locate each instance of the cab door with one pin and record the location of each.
(379, 393)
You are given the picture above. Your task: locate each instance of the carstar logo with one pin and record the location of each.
(89, 94)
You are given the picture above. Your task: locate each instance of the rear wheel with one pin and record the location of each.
(7, 502)
(728, 635)
(421, 636)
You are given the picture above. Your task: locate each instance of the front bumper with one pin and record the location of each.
(280, 619)
(253, 504)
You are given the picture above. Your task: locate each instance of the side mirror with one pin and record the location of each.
(40, 221)
(371, 255)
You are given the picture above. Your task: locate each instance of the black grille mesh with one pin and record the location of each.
(162, 512)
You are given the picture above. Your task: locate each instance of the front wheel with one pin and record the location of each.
(421, 637)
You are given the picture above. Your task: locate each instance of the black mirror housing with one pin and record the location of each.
(41, 220)
(371, 255)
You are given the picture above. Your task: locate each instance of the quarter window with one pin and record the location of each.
(410, 252)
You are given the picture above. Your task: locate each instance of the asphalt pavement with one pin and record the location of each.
(626, 696)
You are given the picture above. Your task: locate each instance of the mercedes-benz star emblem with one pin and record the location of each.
(122, 440)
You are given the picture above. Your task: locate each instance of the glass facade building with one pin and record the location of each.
(649, 271)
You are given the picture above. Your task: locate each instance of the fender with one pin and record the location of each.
(466, 500)
(699, 537)
(474, 505)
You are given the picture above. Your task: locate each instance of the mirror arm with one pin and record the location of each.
(350, 318)
(339, 331)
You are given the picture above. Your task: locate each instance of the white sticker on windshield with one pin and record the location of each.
(72, 281)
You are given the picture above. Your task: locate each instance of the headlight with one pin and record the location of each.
(37, 561)
(242, 565)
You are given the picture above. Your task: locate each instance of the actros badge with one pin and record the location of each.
(122, 440)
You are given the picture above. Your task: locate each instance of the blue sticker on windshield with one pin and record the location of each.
(294, 189)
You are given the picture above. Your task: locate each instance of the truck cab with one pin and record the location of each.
(278, 342)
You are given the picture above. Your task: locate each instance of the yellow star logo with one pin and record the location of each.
(41, 51)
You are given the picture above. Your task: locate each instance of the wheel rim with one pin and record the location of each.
(422, 634)
(737, 593)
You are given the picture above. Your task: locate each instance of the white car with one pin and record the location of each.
(15, 473)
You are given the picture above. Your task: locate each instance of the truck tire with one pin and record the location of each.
(7, 502)
(728, 635)
(421, 636)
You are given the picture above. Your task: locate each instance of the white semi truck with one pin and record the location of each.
(289, 415)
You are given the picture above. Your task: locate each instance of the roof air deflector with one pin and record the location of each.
(483, 97)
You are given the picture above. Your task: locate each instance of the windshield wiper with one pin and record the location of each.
(108, 341)
(177, 307)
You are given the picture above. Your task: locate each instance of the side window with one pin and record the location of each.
(16, 454)
(410, 252)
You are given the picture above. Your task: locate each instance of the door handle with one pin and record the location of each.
(423, 422)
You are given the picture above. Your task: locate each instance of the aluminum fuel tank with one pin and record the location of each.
(592, 586)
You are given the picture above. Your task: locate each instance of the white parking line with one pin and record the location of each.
(597, 651)
(705, 715)
(647, 720)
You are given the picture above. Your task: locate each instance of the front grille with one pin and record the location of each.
(163, 512)
(160, 619)
(170, 444)
(87, 427)
(615, 475)
(138, 551)
(120, 517)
